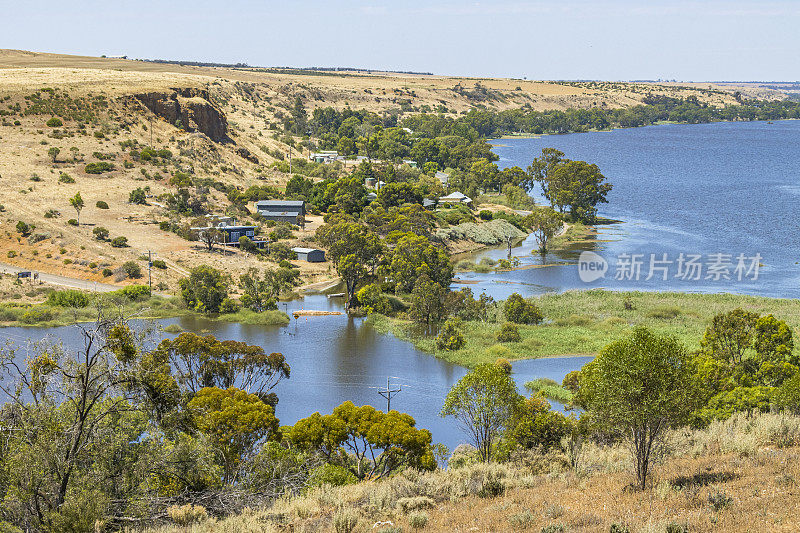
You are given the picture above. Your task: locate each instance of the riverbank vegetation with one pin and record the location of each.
(582, 322)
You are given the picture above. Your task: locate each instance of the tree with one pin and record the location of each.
(198, 361)
(730, 335)
(204, 289)
(542, 171)
(427, 301)
(77, 203)
(260, 292)
(450, 336)
(412, 257)
(638, 388)
(579, 186)
(53, 153)
(236, 422)
(483, 402)
(544, 222)
(211, 236)
(138, 196)
(535, 425)
(100, 233)
(381, 443)
(518, 310)
(399, 193)
(351, 248)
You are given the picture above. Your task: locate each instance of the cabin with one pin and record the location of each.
(312, 255)
(231, 231)
(325, 156)
(455, 198)
(429, 204)
(282, 210)
(443, 177)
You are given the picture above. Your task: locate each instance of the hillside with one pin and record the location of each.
(222, 126)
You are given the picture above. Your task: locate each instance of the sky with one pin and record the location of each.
(568, 39)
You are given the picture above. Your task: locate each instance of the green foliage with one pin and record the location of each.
(331, 474)
(518, 310)
(68, 298)
(427, 301)
(98, 167)
(352, 248)
(228, 306)
(450, 335)
(134, 292)
(55, 122)
(204, 289)
(544, 223)
(412, 257)
(132, 269)
(551, 390)
(373, 300)
(138, 196)
(788, 395)
(380, 443)
(23, 228)
(119, 242)
(483, 402)
(534, 425)
(260, 291)
(35, 315)
(418, 520)
(63, 177)
(638, 387)
(508, 333)
(101, 204)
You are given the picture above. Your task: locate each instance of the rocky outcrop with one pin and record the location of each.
(189, 109)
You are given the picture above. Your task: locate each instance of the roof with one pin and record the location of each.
(280, 203)
(301, 250)
(454, 196)
(427, 202)
(441, 176)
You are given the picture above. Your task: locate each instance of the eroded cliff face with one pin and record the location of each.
(192, 108)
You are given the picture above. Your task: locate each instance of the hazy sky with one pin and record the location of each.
(623, 39)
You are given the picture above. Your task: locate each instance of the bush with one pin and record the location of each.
(508, 333)
(99, 167)
(333, 475)
(418, 520)
(521, 311)
(23, 228)
(107, 272)
(132, 269)
(159, 263)
(101, 204)
(119, 242)
(486, 215)
(229, 306)
(523, 520)
(72, 222)
(11, 254)
(415, 503)
(492, 487)
(55, 122)
(133, 292)
(345, 521)
(187, 515)
(68, 298)
(65, 178)
(100, 233)
(450, 336)
(138, 196)
(37, 314)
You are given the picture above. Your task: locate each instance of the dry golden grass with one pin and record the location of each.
(740, 475)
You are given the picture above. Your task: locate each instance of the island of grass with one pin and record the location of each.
(583, 322)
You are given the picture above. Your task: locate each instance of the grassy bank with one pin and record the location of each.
(583, 322)
(46, 314)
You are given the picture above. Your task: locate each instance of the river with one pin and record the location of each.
(715, 188)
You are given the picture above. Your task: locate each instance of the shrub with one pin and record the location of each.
(720, 501)
(415, 503)
(159, 263)
(328, 474)
(55, 122)
(345, 521)
(23, 228)
(68, 298)
(72, 222)
(119, 242)
(138, 196)
(418, 520)
(107, 272)
(486, 215)
(133, 292)
(132, 269)
(99, 167)
(101, 204)
(553, 528)
(492, 487)
(523, 520)
(186, 515)
(229, 306)
(100, 233)
(37, 314)
(508, 333)
(450, 336)
(521, 311)
(65, 178)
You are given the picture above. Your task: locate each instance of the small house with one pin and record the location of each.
(443, 177)
(427, 203)
(312, 255)
(455, 198)
(325, 156)
(281, 210)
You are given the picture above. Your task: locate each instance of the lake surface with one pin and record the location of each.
(338, 358)
(707, 189)
(716, 188)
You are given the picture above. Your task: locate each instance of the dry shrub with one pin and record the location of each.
(416, 503)
(186, 515)
(418, 520)
(345, 521)
(742, 433)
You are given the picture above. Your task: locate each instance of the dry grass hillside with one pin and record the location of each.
(228, 133)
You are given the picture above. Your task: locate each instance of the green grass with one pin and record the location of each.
(583, 322)
(265, 318)
(550, 389)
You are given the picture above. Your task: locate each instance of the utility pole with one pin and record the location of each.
(290, 160)
(150, 270)
(151, 131)
(388, 392)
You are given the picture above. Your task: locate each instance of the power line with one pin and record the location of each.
(388, 392)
